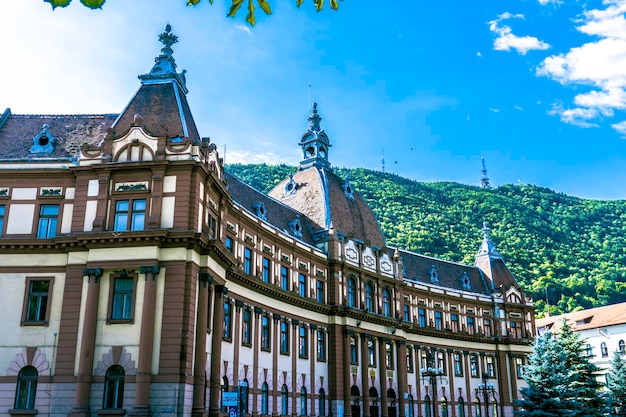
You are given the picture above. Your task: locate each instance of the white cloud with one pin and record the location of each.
(506, 40)
(519, 108)
(620, 128)
(244, 28)
(249, 157)
(599, 66)
(545, 2)
(494, 110)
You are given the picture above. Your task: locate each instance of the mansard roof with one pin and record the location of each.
(447, 274)
(275, 213)
(592, 318)
(326, 198)
(164, 110)
(17, 132)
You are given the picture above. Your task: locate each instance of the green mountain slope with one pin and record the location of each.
(566, 250)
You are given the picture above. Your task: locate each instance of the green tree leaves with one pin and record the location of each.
(232, 12)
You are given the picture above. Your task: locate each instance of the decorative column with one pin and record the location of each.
(256, 343)
(402, 374)
(365, 374)
(98, 224)
(146, 341)
(382, 350)
(347, 398)
(154, 221)
(199, 369)
(87, 345)
(217, 335)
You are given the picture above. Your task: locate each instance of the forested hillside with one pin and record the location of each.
(566, 250)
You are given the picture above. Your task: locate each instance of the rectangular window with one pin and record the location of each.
(389, 355)
(303, 350)
(409, 359)
(266, 270)
(438, 320)
(321, 346)
(228, 321)
(265, 333)
(48, 221)
(354, 356)
(284, 338)
(302, 285)
(246, 328)
(407, 315)
(129, 215)
(441, 362)
(491, 371)
(1, 219)
(212, 227)
(519, 368)
(487, 327)
(454, 322)
(471, 326)
(473, 366)
(284, 278)
(421, 314)
(247, 261)
(371, 352)
(320, 291)
(458, 365)
(36, 303)
(229, 243)
(122, 299)
(516, 330)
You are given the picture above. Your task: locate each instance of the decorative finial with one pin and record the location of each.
(168, 39)
(486, 230)
(315, 119)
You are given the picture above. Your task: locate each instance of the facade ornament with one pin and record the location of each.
(434, 276)
(44, 142)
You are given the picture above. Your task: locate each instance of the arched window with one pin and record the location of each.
(427, 412)
(303, 402)
(284, 400)
(589, 350)
(476, 407)
(243, 400)
(444, 407)
(369, 296)
(411, 412)
(224, 389)
(387, 302)
(322, 403)
(621, 347)
(114, 387)
(494, 408)
(351, 292)
(604, 350)
(461, 403)
(26, 390)
(264, 398)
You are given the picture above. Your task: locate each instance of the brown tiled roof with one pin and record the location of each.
(277, 214)
(587, 319)
(449, 274)
(69, 131)
(164, 110)
(349, 216)
(496, 269)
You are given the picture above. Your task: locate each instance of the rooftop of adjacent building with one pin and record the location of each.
(592, 318)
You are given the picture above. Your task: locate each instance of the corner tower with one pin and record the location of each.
(326, 199)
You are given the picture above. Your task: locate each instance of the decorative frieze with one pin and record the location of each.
(131, 186)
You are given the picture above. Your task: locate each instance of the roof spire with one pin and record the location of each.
(314, 143)
(484, 180)
(164, 69)
(488, 248)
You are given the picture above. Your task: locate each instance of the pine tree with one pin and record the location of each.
(548, 393)
(616, 386)
(583, 374)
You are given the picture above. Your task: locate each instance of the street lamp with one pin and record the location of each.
(486, 389)
(432, 373)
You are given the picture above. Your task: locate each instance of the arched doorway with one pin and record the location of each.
(391, 399)
(374, 412)
(356, 401)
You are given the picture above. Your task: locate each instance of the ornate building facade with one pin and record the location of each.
(139, 278)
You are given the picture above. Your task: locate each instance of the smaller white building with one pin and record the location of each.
(603, 328)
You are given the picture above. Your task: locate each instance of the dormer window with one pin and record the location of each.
(44, 142)
(434, 277)
(295, 227)
(348, 190)
(259, 210)
(465, 282)
(291, 186)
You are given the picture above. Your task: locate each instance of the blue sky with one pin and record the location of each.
(537, 87)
